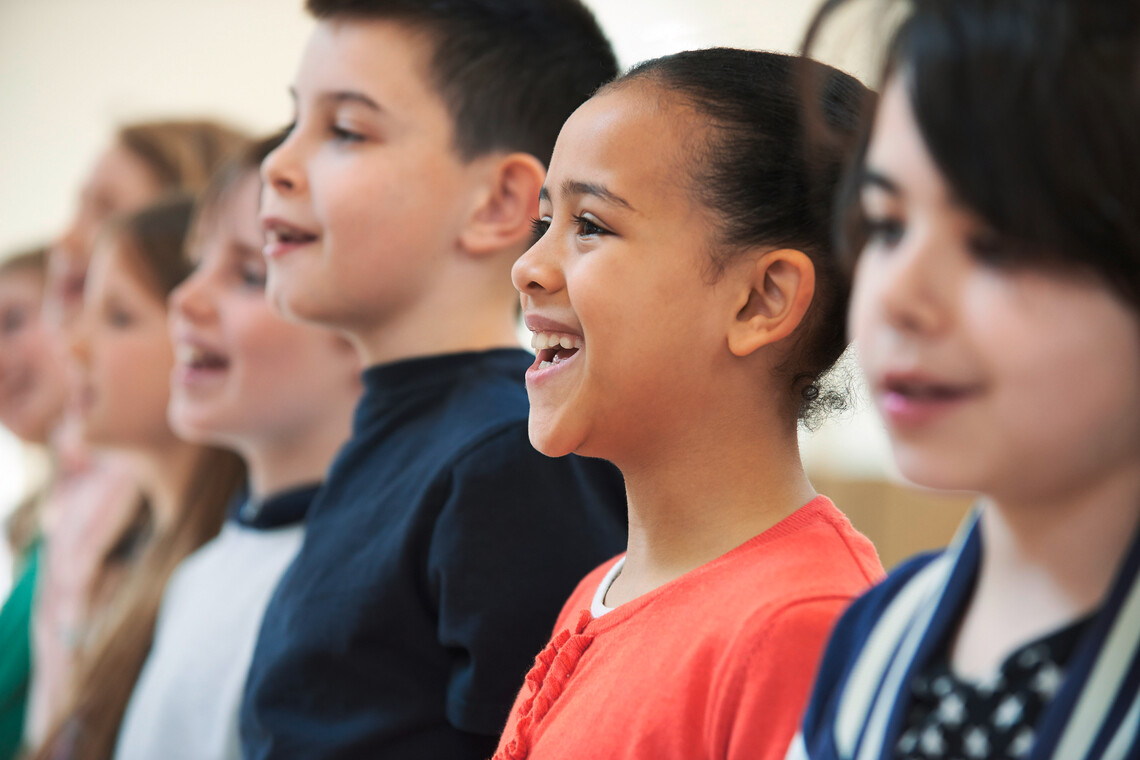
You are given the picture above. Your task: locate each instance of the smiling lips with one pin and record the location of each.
(554, 348)
(195, 363)
(908, 401)
(282, 237)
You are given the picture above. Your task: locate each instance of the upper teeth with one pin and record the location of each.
(541, 340)
(187, 354)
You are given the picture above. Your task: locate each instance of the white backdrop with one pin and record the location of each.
(71, 70)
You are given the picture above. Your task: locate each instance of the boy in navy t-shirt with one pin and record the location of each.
(443, 545)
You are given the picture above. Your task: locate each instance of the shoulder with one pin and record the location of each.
(856, 623)
(813, 558)
(848, 639)
(828, 541)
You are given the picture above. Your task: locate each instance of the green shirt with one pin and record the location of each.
(15, 656)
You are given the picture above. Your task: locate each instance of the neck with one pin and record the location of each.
(466, 311)
(704, 494)
(291, 460)
(164, 476)
(1045, 563)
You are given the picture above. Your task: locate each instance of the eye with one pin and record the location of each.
(538, 228)
(12, 321)
(120, 318)
(883, 231)
(253, 277)
(992, 248)
(342, 134)
(588, 227)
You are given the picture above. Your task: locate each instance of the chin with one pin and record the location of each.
(548, 441)
(188, 429)
(936, 473)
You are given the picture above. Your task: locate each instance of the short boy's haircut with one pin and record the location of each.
(509, 71)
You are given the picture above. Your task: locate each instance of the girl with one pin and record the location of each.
(281, 395)
(32, 394)
(91, 498)
(684, 303)
(32, 386)
(125, 359)
(997, 314)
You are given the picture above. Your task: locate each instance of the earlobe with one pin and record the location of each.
(509, 201)
(774, 301)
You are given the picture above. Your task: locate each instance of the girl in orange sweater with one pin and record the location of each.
(685, 302)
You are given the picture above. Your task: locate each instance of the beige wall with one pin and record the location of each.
(70, 70)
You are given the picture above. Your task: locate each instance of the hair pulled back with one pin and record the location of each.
(768, 182)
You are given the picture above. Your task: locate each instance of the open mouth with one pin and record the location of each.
(554, 348)
(201, 359)
(926, 392)
(282, 235)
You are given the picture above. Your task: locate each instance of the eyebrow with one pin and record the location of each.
(573, 187)
(872, 178)
(344, 96)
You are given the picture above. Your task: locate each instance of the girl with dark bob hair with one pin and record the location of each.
(994, 215)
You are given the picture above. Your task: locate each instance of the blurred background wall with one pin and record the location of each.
(71, 70)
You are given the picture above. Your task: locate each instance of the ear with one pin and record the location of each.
(506, 205)
(779, 289)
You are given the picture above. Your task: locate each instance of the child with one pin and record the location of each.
(684, 302)
(279, 394)
(32, 386)
(997, 314)
(91, 497)
(436, 556)
(33, 391)
(125, 359)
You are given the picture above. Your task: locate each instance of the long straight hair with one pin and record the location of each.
(106, 674)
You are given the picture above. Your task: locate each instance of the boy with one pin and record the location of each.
(442, 546)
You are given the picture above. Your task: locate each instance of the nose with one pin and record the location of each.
(916, 284)
(191, 299)
(78, 341)
(283, 169)
(539, 270)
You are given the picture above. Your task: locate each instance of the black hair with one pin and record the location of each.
(767, 183)
(1029, 109)
(510, 71)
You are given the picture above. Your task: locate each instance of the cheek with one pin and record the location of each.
(864, 302)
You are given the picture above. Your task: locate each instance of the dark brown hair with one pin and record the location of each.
(1029, 109)
(510, 71)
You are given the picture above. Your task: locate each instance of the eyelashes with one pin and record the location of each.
(538, 228)
(585, 227)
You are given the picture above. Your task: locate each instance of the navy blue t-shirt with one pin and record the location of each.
(435, 562)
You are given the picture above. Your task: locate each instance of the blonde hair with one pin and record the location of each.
(107, 671)
(182, 154)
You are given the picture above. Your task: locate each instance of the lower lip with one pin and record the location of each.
(537, 374)
(905, 411)
(277, 250)
(196, 377)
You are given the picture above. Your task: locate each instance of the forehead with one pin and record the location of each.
(22, 284)
(120, 171)
(897, 148)
(386, 60)
(232, 213)
(634, 139)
